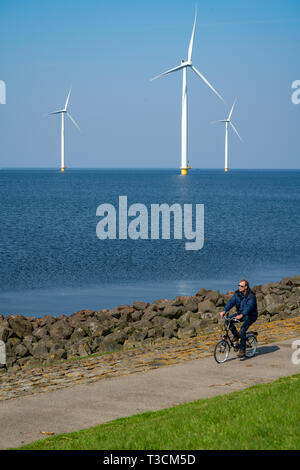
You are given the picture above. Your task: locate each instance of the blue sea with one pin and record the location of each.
(52, 261)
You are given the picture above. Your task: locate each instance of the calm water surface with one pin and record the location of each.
(52, 261)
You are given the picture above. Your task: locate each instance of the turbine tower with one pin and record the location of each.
(184, 66)
(63, 112)
(227, 123)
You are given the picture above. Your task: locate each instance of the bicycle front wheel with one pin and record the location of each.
(251, 345)
(221, 351)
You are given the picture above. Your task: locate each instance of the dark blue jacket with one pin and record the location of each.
(245, 304)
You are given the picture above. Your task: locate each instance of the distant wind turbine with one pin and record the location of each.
(184, 66)
(63, 112)
(228, 121)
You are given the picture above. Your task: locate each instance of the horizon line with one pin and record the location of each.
(138, 168)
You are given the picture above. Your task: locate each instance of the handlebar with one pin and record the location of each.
(231, 319)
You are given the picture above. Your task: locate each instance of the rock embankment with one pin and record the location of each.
(34, 341)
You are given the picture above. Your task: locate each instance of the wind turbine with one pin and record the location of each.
(185, 64)
(63, 112)
(227, 122)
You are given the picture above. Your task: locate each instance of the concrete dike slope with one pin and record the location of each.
(157, 383)
(44, 341)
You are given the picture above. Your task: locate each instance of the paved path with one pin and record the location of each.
(85, 405)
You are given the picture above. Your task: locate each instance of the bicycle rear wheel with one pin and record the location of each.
(251, 345)
(221, 351)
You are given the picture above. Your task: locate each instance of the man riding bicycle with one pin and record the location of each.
(246, 309)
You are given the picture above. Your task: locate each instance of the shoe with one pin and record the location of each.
(241, 353)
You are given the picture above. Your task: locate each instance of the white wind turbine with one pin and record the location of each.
(184, 66)
(63, 112)
(227, 122)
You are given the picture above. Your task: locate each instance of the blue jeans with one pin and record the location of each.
(246, 323)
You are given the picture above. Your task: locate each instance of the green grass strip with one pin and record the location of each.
(262, 417)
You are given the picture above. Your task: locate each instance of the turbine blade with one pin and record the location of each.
(55, 112)
(168, 71)
(74, 122)
(236, 131)
(207, 83)
(230, 114)
(190, 51)
(67, 100)
(221, 120)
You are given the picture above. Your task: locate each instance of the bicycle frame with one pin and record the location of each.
(228, 322)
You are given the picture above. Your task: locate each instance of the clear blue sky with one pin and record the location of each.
(108, 51)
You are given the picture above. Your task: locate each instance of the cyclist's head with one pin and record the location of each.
(243, 285)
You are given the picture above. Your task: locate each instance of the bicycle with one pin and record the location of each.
(222, 348)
